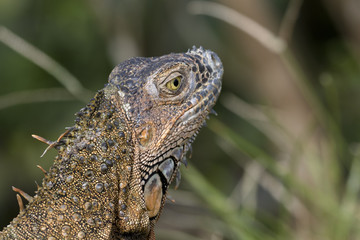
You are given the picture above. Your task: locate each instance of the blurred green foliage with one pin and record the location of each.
(282, 163)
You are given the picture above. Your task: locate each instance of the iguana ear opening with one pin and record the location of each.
(145, 135)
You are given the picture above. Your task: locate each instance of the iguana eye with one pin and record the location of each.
(174, 83)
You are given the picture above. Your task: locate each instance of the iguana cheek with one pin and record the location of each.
(153, 195)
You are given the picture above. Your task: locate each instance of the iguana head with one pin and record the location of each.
(165, 101)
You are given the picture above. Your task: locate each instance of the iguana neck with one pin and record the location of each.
(87, 182)
(98, 147)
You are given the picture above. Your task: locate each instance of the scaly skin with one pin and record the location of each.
(114, 166)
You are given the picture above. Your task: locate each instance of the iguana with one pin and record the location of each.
(114, 166)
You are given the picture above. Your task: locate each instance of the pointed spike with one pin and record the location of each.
(41, 139)
(37, 185)
(20, 202)
(212, 111)
(189, 151)
(204, 124)
(48, 148)
(42, 169)
(170, 198)
(64, 134)
(22, 193)
(177, 179)
(52, 144)
(184, 161)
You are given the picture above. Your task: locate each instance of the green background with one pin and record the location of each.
(280, 161)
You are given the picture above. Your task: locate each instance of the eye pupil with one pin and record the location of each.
(176, 82)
